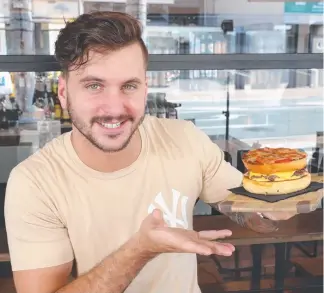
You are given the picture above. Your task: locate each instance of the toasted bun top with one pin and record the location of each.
(272, 160)
(273, 156)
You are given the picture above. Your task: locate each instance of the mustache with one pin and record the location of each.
(107, 119)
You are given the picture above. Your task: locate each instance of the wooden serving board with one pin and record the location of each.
(303, 203)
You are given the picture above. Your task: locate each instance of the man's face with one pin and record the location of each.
(106, 97)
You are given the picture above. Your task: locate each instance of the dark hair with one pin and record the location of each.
(100, 31)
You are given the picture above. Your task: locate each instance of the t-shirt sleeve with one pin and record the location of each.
(37, 238)
(218, 175)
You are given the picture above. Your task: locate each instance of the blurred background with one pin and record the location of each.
(247, 72)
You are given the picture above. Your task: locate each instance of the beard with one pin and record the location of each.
(86, 129)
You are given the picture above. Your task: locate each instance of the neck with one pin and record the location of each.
(101, 161)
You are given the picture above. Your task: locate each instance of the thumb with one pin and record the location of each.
(156, 218)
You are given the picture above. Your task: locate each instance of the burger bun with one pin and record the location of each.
(276, 187)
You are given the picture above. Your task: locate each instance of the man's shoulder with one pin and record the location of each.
(176, 127)
(179, 136)
(40, 164)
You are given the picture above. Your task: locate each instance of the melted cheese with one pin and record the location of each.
(282, 176)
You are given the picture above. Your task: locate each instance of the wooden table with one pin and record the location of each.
(4, 250)
(303, 227)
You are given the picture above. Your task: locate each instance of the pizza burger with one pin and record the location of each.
(275, 171)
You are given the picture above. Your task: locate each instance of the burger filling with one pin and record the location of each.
(280, 176)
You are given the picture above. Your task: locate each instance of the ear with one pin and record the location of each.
(62, 91)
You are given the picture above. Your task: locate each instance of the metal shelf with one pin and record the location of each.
(183, 62)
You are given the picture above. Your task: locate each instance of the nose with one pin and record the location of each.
(112, 103)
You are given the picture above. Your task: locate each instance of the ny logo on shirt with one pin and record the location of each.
(170, 215)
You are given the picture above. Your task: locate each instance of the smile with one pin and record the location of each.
(111, 125)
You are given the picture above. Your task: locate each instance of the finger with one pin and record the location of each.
(197, 247)
(225, 249)
(157, 216)
(208, 247)
(213, 234)
(229, 245)
(155, 219)
(277, 216)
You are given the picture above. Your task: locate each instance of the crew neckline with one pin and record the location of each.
(89, 172)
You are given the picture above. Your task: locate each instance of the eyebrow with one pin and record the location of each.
(91, 78)
(133, 80)
(98, 79)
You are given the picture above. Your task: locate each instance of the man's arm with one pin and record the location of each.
(114, 273)
(47, 280)
(41, 254)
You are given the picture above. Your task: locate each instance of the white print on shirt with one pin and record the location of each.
(170, 215)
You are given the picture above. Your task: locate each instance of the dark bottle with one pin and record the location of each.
(57, 105)
(39, 91)
(151, 103)
(148, 107)
(147, 112)
(161, 103)
(65, 118)
(4, 123)
(48, 99)
(57, 109)
(172, 110)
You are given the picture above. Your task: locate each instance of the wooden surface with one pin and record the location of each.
(312, 266)
(266, 285)
(304, 203)
(4, 253)
(7, 285)
(208, 273)
(302, 227)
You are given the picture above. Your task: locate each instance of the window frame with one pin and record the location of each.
(157, 62)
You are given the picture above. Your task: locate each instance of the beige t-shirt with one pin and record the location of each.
(57, 209)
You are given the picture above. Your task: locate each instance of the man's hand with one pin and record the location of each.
(278, 216)
(156, 238)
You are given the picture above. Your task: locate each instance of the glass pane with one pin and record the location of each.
(215, 27)
(274, 108)
(30, 27)
(279, 108)
(265, 108)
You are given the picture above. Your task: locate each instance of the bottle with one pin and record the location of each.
(160, 102)
(151, 103)
(65, 117)
(147, 111)
(49, 98)
(57, 109)
(4, 123)
(172, 112)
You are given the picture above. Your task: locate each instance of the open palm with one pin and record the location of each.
(161, 239)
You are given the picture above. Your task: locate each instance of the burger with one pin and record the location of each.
(275, 171)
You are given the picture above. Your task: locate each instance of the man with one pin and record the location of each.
(117, 193)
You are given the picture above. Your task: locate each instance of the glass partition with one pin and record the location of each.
(30, 27)
(237, 109)
(275, 108)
